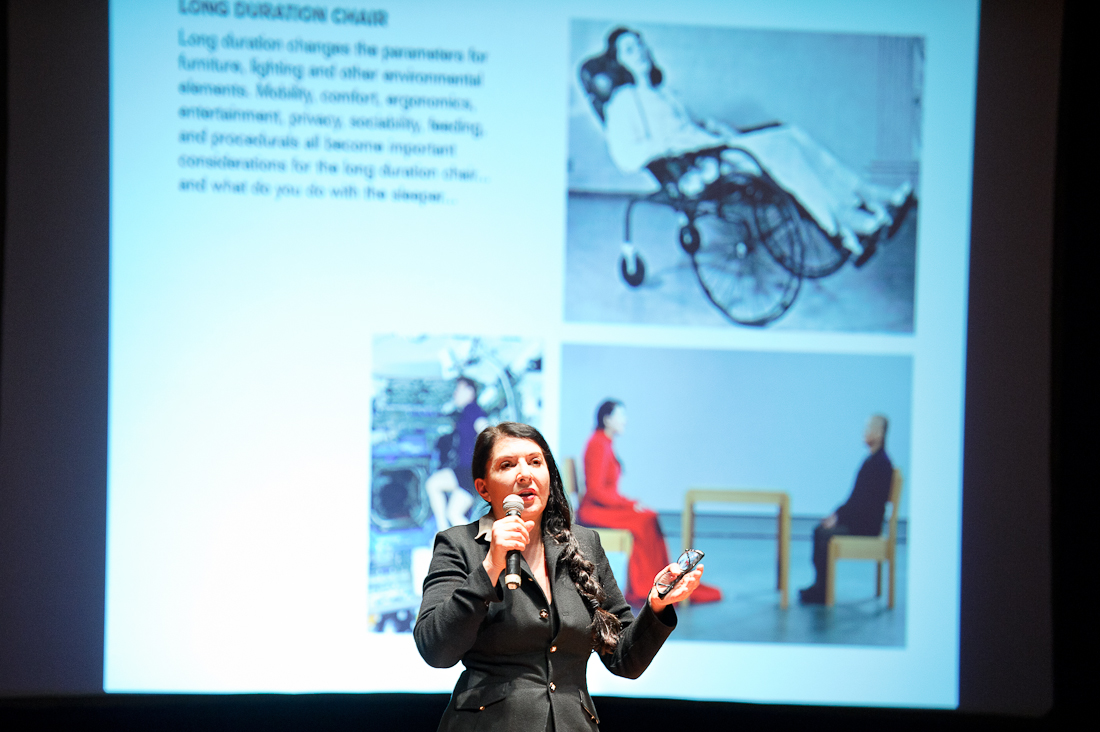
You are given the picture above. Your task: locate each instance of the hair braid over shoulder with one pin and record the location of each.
(605, 626)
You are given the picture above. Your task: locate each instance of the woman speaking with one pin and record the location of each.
(526, 649)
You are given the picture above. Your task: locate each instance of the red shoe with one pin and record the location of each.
(706, 593)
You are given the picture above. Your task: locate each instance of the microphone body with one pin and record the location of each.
(513, 506)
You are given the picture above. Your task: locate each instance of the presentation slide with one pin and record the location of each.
(726, 243)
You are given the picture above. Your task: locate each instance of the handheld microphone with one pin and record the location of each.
(513, 506)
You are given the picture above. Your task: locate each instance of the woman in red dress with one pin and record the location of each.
(604, 506)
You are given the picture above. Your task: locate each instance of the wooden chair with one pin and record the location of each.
(878, 549)
(613, 540)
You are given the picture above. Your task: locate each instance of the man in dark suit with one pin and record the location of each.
(862, 513)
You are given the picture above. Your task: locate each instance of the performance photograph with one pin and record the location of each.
(432, 396)
(742, 177)
(789, 470)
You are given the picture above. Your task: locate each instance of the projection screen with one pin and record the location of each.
(322, 216)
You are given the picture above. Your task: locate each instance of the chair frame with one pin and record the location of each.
(878, 549)
(754, 194)
(774, 225)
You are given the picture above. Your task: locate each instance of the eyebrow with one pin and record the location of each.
(529, 455)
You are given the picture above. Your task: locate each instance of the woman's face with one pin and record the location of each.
(632, 53)
(615, 423)
(516, 467)
(464, 394)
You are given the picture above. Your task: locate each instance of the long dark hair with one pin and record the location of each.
(601, 75)
(604, 411)
(468, 382)
(611, 51)
(557, 522)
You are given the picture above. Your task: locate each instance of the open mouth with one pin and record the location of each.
(527, 494)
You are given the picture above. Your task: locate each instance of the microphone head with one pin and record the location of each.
(512, 503)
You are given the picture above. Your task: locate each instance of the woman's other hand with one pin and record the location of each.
(681, 591)
(510, 532)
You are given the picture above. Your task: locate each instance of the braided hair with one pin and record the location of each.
(557, 521)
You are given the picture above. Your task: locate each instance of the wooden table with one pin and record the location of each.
(721, 495)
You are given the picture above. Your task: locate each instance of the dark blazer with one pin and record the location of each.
(525, 658)
(862, 513)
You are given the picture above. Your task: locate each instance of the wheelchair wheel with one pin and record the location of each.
(822, 256)
(750, 255)
(778, 224)
(633, 276)
(797, 244)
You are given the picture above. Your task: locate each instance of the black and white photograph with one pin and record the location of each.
(747, 178)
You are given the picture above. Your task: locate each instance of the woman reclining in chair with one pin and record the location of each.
(645, 123)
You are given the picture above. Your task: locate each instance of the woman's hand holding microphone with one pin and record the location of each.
(509, 533)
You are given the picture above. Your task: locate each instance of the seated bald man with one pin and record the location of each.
(862, 513)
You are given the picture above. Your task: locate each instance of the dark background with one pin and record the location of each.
(1028, 631)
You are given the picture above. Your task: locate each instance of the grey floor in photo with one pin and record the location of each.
(741, 561)
(879, 297)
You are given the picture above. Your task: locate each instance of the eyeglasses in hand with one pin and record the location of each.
(667, 580)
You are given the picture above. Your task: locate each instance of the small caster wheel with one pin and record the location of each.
(633, 276)
(689, 238)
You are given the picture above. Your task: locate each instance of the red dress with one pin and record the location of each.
(603, 506)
